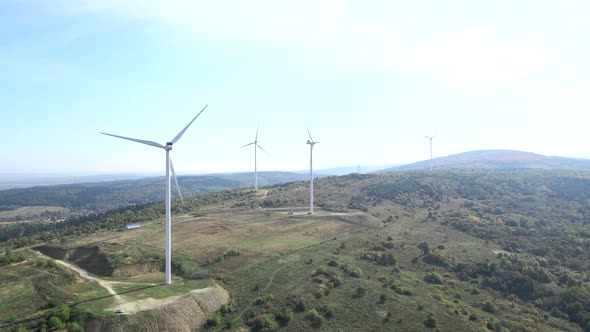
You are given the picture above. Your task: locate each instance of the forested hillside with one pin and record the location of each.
(496, 160)
(102, 196)
(447, 250)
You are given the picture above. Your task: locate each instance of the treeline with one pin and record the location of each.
(24, 234)
(31, 233)
(103, 196)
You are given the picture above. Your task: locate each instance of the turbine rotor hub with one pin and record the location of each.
(168, 146)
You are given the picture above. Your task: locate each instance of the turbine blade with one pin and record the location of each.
(176, 181)
(311, 139)
(188, 125)
(158, 145)
(256, 139)
(262, 149)
(243, 146)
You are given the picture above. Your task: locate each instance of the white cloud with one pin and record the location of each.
(471, 60)
(549, 97)
(554, 128)
(354, 34)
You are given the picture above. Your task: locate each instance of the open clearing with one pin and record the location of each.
(254, 233)
(27, 212)
(257, 234)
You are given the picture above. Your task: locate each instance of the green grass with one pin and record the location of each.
(18, 298)
(161, 291)
(280, 254)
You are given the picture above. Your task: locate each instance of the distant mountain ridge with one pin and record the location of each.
(350, 169)
(101, 196)
(496, 160)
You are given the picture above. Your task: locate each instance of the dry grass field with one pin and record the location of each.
(255, 233)
(30, 212)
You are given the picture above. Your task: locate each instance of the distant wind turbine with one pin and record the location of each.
(169, 167)
(431, 138)
(311, 143)
(256, 147)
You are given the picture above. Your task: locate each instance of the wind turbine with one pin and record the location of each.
(256, 147)
(311, 143)
(431, 138)
(169, 167)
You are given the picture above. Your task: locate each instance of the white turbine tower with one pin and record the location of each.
(431, 138)
(256, 147)
(169, 167)
(311, 143)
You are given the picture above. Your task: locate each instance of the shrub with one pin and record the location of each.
(226, 309)
(435, 259)
(352, 270)
(336, 280)
(327, 311)
(489, 307)
(431, 322)
(19, 328)
(75, 327)
(434, 278)
(302, 304)
(360, 292)
(315, 318)
(214, 321)
(424, 247)
(55, 323)
(402, 290)
(318, 293)
(265, 322)
(283, 316)
(267, 300)
(62, 312)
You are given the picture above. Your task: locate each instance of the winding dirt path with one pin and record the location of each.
(108, 285)
(105, 284)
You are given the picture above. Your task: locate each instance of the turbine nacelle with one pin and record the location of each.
(168, 146)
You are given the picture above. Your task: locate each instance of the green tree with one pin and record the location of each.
(434, 278)
(424, 247)
(315, 318)
(265, 322)
(62, 312)
(75, 327)
(284, 315)
(55, 323)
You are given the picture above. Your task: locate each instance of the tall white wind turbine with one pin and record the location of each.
(169, 167)
(256, 147)
(431, 138)
(311, 143)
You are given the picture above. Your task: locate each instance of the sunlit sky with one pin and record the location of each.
(369, 78)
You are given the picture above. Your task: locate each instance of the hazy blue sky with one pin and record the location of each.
(369, 78)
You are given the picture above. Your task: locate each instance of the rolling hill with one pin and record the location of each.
(496, 160)
(102, 196)
(483, 250)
